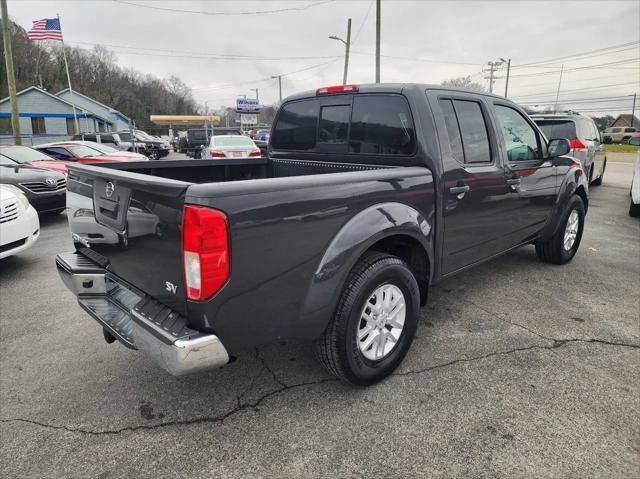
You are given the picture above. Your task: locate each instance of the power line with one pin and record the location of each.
(364, 20)
(586, 67)
(578, 102)
(203, 54)
(200, 12)
(578, 89)
(426, 60)
(612, 47)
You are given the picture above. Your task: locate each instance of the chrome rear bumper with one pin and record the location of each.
(137, 320)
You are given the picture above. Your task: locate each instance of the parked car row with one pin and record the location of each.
(136, 141)
(33, 182)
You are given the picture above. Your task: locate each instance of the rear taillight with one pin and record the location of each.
(576, 144)
(205, 249)
(217, 154)
(336, 89)
(255, 153)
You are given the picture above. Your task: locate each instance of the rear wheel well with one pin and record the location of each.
(411, 252)
(580, 191)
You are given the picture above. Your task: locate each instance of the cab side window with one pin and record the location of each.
(522, 142)
(467, 131)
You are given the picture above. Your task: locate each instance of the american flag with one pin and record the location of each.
(45, 29)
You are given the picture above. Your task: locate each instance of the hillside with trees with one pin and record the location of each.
(95, 73)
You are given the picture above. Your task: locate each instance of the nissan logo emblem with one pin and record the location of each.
(109, 189)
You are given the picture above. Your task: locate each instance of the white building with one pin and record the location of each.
(45, 117)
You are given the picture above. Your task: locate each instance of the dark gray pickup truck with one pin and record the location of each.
(370, 195)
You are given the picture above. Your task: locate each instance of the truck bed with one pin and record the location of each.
(284, 217)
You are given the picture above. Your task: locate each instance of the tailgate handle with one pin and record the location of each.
(108, 205)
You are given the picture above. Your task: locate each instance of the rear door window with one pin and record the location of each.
(475, 139)
(453, 129)
(381, 125)
(297, 126)
(629, 130)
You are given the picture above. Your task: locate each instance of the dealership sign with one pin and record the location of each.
(247, 105)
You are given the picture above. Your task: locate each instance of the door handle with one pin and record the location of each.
(459, 191)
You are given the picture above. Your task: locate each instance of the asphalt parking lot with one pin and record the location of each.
(519, 369)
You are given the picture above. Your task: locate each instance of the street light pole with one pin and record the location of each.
(347, 45)
(256, 90)
(11, 78)
(377, 41)
(279, 77)
(633, 109)
(346, 52)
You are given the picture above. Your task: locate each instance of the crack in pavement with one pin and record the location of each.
(557, 343)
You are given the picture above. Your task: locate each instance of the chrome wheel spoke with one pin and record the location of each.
(381, 322)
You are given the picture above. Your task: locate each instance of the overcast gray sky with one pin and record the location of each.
(422, 41)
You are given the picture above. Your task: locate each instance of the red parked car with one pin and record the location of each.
(29, 156)
(63, 153)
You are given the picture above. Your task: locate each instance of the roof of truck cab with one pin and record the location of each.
(392, 88)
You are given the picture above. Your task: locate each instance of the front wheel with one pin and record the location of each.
(153, 155)
(564, 244)
(634, 209)
(374, 323)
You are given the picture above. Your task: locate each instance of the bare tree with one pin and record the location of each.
(464, 82)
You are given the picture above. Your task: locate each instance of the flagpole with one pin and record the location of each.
(66, 66)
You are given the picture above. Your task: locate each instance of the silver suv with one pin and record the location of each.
(584, 139)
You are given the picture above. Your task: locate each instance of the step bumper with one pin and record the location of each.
(139, 321)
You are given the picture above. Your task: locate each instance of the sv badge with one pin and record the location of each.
(170, 287)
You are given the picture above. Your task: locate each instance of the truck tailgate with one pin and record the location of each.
(131, 224)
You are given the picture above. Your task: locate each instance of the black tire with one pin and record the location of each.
(598, 180)
(337, 348)
(153, 155)
(634, 209)
(553, 250)
(607, 140)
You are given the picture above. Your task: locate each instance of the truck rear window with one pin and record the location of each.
(557, 128)
(379, 125)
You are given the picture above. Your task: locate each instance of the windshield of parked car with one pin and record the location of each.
(232, 141)
(83, 151)
(23, 154)
(100, 147)
(557, 128)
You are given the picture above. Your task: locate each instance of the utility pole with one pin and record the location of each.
(493, 66)
(633, 109)
(506, 85)
(378, 41)
(347, 45)
(256, 90)
(555, 107)
(11, 79)
(279, 77)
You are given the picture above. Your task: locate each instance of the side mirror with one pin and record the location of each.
(558, 147)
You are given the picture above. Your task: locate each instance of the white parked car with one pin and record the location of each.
(634, 206)
(230, 146)
(19, 224)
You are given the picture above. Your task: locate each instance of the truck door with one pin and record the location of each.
(474, 188)
(530, 174)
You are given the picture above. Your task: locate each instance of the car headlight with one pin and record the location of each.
(22, 199)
